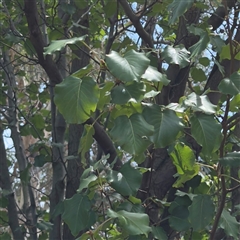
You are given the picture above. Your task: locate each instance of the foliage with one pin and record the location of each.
(132, 108)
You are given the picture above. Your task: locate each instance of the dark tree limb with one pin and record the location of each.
(5, 184)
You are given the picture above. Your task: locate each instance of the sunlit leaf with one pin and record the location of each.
(176, 55)
(184, 160)
(58, 45)
(76, 98)
(128, 68)
(199, 104)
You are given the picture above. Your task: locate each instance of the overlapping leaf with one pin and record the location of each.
(201, 212)
(122, 94)
(128, 68)
(133, 223)
(166, 124)
(132, 133)
(184, 160)
(178, 8)
(76, 98)
(206, 131)
(230, 85)
(58, 45)
(127, 181)
(176, 55)
(74, 210)
(230, 225)
(231, 159)
(199, 104)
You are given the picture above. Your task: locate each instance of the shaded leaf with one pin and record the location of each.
(76, 98)
(86, 141)
(166, 124)
(132, 133)
(127, 181)
(229, 223)
(201, 212)
(231, 159)
(133, 223)
(176, 55)
(159, 233)
(206, 131)
(122, 93)
(230, 85)
(200, 46)
(178, 8)
(128, 68)
(74, 210)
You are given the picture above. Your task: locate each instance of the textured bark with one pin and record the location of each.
(29, 206)
(6, 185)
(75, 168)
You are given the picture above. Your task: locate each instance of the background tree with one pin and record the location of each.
(124, 119)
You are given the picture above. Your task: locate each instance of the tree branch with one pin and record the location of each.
(136, 23)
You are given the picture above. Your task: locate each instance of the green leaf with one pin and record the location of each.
(77, 213)
(198, 74)
(86, 141)
(44, 226)
(58, 45)
(40, 160)
(230, 225)
(153, 75)
(83, 71)
(132, 133)
(184, 160)
(235, 103)
(176, 55)
(201, 212)
(230, 85)
(204, 61)
(166, 125)
(86, 181)
(122, 93)
(133, 223)
(200, 46)
(128, 68)
(199, 104)
(5, 236)
(226, 52)
(76, 98)
(206, 131)
(217, 42)
(159, 233)
(179, 213)
(151, 94)
(231, 159)
(178, 8)
(127, 181)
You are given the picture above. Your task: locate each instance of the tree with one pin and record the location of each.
(124, 119)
